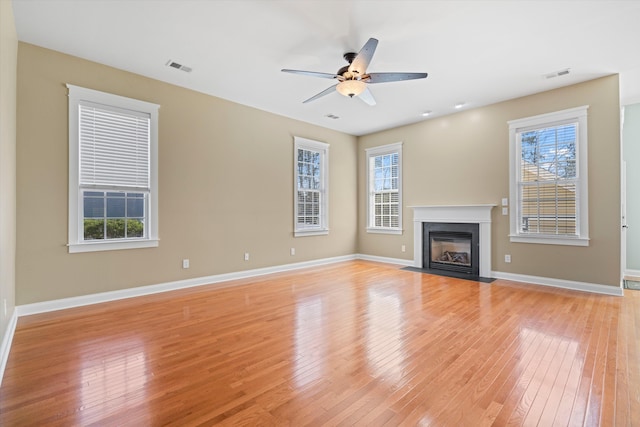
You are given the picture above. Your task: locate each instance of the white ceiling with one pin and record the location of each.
(478, 52)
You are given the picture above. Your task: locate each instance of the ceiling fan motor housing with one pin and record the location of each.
(349, 57)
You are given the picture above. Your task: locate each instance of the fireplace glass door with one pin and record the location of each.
(451, 251)
(451, 248)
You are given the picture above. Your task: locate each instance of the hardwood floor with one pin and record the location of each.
(355, 343)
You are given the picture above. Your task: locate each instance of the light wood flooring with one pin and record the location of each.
(354, 343)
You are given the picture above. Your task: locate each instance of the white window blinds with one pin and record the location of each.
(548, 178)
(384, 183)
(385, 190)
(547, 181)
(311, 188)
(114, 147)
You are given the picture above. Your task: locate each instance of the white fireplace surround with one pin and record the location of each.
(473, 214)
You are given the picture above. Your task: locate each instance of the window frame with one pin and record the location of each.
(76, 243)
(578, 116)
(371, 153)
(302, 230)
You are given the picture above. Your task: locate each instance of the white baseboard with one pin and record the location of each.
(560, 283)
(5, 347)
(403, 262)
(222, 279)
(535, 280)
(631, 273)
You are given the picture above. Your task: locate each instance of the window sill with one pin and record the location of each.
(548, 240)
(377, 230)
(304, 233)
(112, 246)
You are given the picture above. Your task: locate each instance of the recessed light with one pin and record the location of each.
(426, 113)
(459, 105)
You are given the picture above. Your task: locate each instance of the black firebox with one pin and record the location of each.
(451, 249)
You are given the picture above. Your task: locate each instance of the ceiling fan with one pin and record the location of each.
(353, 78)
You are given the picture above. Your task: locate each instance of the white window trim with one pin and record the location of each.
(323, 148)
(378, 151)
(579, 115)
(75, 245)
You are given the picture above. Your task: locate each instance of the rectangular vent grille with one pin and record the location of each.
(178, 66)
(557, 73)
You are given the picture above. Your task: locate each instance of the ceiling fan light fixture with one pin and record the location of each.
(351, 88)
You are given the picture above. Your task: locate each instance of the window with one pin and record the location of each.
(311, 187)
(548, 182)
(113, 191)
(384, 183)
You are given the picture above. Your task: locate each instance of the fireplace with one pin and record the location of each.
(451, 248)
(476, 215)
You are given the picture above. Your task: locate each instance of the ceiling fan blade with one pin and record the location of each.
(367, 97)
(394, 77)
(327, 91)
(311, 73)
(362, 60)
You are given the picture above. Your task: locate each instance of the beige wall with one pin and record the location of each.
(463, 159)
(8, 66)
(225, 179)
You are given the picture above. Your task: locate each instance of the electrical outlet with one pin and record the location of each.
(293, 251)
(507, 258)
(505, 211)
(505, 202)
(246, 256)
(185, 263)
(403, 248)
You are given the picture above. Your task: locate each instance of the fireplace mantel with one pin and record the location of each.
(475, 214)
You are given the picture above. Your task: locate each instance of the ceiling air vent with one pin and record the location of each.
(332, 116)
(557, 73)
(173, 64)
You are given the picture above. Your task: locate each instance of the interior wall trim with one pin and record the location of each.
(220, 279)
(5, 347)
(374, 258)
(632, 273)
(531, 280)
(560, 283)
